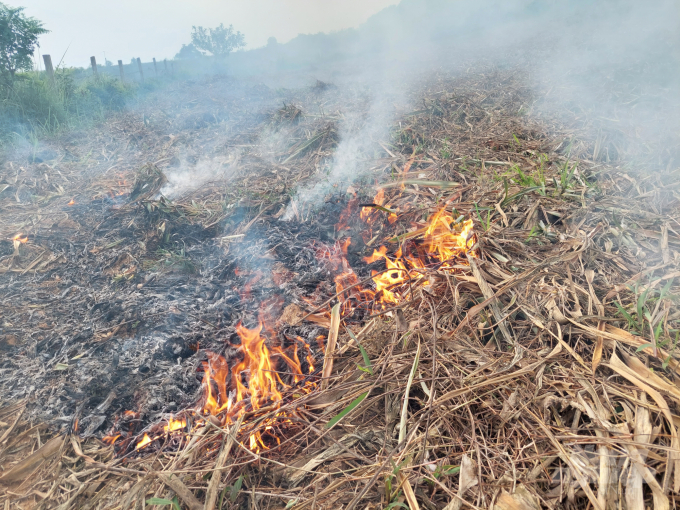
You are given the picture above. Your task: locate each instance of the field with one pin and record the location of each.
(479, 312)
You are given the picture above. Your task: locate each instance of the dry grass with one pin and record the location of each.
(542, 374)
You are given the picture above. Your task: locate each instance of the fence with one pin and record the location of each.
(132, 72)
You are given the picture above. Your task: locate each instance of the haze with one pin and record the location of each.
(158, 28)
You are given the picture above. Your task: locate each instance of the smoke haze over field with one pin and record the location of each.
(155, 28)
(614, 63)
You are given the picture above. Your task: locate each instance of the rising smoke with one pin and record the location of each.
(613, 62)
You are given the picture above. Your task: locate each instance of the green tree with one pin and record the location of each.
(18, 40)
(219, 41)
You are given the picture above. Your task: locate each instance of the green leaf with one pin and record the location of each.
(291, 503)
(641, 302)
(657, 331)
(643, 347)
(622, 311)
(235, 489)
(666, 288)
(347, 410)
(368, 367)
(160, 501)
(61, 366)
(395, 504)
(224, 491)
(450, 470)
(517, 195)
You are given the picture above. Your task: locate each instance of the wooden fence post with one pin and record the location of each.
(155, 68)
(139, 66)
(48, 68)
(93, 61)
(122, 72)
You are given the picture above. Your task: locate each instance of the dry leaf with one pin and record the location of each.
(522, 499)
(468, 479)
(27, 465)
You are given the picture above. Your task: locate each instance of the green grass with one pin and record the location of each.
(646, 316)
(33, 107)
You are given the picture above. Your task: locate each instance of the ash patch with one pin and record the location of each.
(112, 343)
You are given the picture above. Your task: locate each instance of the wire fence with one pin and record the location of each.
(136, 70)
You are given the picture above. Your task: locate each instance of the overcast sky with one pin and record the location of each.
(157, 28)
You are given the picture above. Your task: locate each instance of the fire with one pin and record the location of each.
(175, 425)
(145, 441)
(110, 439)
(18, 241)
(259, 367)
(72, 202)
(347, 214)
(309, 357)
(368, 213)
(440, 239)
(443, 240)
(346, 280)
(255, 381)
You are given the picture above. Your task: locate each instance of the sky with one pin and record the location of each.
(158, 28)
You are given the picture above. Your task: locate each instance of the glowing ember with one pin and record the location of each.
(72, 202)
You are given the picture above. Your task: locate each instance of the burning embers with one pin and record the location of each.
(258, 382)
(442, 243)
(255, 382)
(271, 369)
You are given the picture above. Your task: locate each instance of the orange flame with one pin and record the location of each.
(346, 215)
(19, 240)
(145, 441)
(254, 380)
(261, 370)
(72, 202)
(110, 439)
(441, 243)
(175, 425)
(368, 213)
